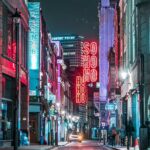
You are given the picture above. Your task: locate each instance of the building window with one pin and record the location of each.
(9, 44)
(69, 53)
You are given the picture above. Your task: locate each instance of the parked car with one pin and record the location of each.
(75, 136)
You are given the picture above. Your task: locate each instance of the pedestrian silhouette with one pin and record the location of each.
(113, 134)
(130, 129)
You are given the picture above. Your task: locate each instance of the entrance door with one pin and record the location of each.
(33, 128)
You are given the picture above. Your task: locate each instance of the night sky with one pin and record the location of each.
(64, 17)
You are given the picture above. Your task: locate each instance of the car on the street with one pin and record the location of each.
(75, 136)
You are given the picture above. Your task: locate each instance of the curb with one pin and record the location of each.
(112, 147)
(118, 148)
(57, 146)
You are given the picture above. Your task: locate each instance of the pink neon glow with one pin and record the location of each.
(89, 61)
(93, 76)
(86, 75)
(59, 84)
(11, 51)
(86, 60)
(86, 48)
(93, 48)
(80, 90)
(93, 61)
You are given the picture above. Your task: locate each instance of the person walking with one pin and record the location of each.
(100, 135)
(122, 136)
(113, 134)
(130, 129)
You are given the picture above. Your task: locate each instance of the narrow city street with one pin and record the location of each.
(85, 145)
(72, 70)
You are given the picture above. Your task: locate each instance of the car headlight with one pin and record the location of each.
(80, 137)
(70, 136)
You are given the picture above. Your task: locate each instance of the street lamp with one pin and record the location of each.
(63, 112)
(58, 105)
(16, 20)
(123, 74)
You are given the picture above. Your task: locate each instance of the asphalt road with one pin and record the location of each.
(85, 145)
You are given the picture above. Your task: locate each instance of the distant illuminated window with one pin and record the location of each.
(68, 45)
(69, 53)
(63, 38)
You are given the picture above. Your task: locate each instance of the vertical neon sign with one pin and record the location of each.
(34, 38)
(89, 61)
(34, 47)
(81, 91)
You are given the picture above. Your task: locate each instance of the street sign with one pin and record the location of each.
(32, 92)
(96, 114)
(110, 106)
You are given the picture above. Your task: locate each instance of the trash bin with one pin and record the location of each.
(41, 140)
(24, 139)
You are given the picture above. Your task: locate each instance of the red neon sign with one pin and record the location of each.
(89, 61)
(81, 92)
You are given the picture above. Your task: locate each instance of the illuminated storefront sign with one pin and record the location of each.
(59, 38)
(34, 24)
(89, 61)
(89, 64)
(81, 90)
(34, 47)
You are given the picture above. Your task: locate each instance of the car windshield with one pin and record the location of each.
(75, 133)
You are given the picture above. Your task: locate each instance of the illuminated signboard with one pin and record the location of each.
(59, 38)
(34, 47)
(89, 61)
(81, 90)
(34, 38)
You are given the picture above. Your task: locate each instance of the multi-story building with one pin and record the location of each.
(72, 46)
(143, 44)
(42, 76)
(130, 58)
(134, 54)
(106, 40)
(113, 89)
(72, 49)
(35, 74)
(14, 99)
(62, 90)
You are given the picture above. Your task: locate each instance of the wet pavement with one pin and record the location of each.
(85, 145)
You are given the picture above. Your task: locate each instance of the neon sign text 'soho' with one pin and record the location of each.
(89, 61)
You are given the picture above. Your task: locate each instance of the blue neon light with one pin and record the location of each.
(106, 41)
(34, 47)
(34, 35)
(59, 38)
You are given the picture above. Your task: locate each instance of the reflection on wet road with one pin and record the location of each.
(85, 145)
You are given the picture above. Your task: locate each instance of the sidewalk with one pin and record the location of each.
(119, 147)
(35, 147)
